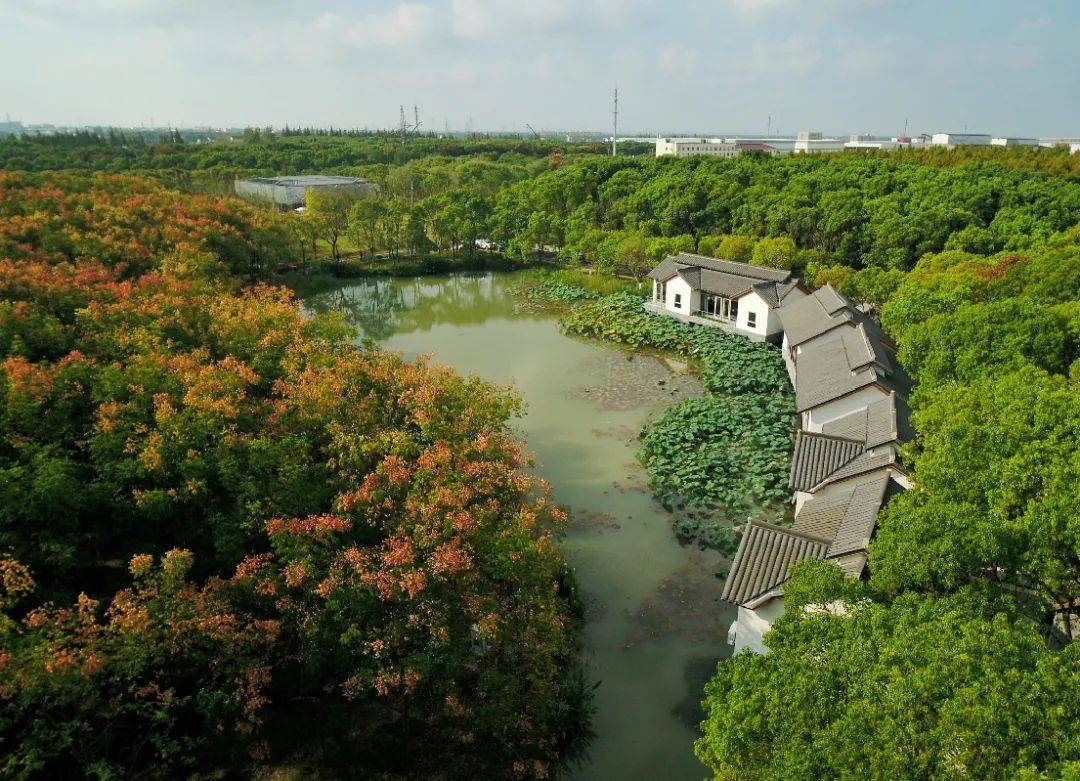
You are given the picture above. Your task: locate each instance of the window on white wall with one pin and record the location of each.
(751, 319)
(678, 300)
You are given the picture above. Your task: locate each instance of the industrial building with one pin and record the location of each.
(289, 192)
(952, 140)
(688, 147)
(813, 141)
(1011, 141)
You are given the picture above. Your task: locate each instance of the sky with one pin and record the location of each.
(1007, 68)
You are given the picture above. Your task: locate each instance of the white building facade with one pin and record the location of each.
(952, 140)
(809, 141)
(736, 297)
(689, 147)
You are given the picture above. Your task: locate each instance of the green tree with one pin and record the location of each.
(991, 337)
(737, 248)
(923, 688)
(365, 218)
(997, 494)
(330, 212)
(633, 255)
(778, 252)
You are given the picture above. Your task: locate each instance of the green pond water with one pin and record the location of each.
(655, 623)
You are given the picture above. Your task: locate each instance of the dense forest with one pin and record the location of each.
(229, 537)
(958, 657)
(261, 153)
(229, 532)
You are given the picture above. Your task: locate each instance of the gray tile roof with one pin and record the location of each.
(816, 456)
(870, 461)
(824, 372)
(836, 523)
(765, 556)
(860, 515)
(852, 563)
(749, 273)
(815, 314)
(768, 291)
(822, 515)
(877, 423)
(843, 361)
(846, 514)
(831, 301)
(721, 283)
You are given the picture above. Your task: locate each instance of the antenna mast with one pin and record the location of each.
(615, 122)
(768, 127)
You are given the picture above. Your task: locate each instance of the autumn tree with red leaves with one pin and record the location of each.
(231, 538)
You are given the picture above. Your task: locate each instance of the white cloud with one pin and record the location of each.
(487, 18)
(677, 60)
(407, 24)
(794, 55)
(1029, 25)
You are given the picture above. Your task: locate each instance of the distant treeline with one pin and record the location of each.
(260, 152)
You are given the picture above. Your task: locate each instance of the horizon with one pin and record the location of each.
(491, 66)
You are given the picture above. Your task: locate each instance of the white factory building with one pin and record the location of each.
(1012, 141)
(960, 139)
(689, 147)
(812, 141)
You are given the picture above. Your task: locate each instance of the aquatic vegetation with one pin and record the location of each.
(571, 286)
(729, 451)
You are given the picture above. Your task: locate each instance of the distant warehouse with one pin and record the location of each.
(287, 192)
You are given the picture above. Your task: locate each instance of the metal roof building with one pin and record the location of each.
(289, 192)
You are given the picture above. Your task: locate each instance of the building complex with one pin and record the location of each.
(851, 398)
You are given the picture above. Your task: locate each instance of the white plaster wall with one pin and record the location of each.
(814, 419)
(773, 325)
(789, 360)
(679, 286)
(752, 302)
(751, 625)
(800, 500)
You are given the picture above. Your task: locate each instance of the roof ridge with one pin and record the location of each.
(761, 273)
(822, 435)
(786, 530)
(870, 466)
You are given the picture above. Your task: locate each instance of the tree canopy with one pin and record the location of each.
(231, 537)
(922, 688)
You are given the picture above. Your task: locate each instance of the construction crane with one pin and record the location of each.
(533, 131)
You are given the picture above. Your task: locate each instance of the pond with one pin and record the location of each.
(655, 623)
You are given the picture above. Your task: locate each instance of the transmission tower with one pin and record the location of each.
(615, 122)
